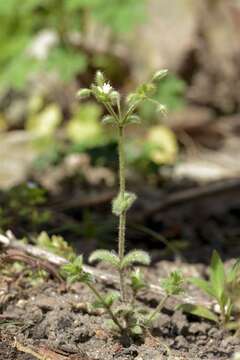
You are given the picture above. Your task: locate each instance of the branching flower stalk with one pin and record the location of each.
(156, 311)
(129, 318)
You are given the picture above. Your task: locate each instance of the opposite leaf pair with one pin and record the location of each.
(133, 257)
(129, 318)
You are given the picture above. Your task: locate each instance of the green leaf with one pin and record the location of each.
(105, 256)
(217, 275)
(228, 309)
(137, 280)
(198, 310)
(173, 285)
(136, 330)
(233, 272)
(203, 285)
(132, 119)
(108, 120)
(111, 297)
(135, 256)
(84, 93)
(110, 324)
(73, 271)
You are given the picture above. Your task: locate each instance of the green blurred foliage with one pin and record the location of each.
(21, 21)
(158, 148)
(84, 127)
(45, 122)
(23, 204)
(55, 244)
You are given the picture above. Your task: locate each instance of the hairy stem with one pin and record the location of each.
(157, 310)
(108, 309)
(122, 217)
(111, 111)
(130, 110)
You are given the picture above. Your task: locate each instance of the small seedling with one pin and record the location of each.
(126, 316)
(55, 244)
(233, 290)
(217, 288)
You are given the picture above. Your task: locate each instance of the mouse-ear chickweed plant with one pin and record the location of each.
(127, 317)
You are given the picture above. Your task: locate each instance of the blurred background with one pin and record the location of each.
(58, 164)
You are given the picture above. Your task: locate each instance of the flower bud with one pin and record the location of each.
(159, 75)
(114, 97)
(83, 93)
(100, 80)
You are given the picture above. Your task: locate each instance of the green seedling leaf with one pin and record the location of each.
(105, 256)
(228, 309)
(137, 280)
(173, 285)
(136, 330)
(198, 310)
(110, 324)
(135, 256)
(203, 285)
(217, 275)
(224, 300)
(73, 271)
(109, 299)
(233, 272)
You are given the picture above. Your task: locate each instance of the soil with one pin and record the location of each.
(50, 319)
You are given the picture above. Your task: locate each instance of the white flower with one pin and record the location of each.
(106, 88)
